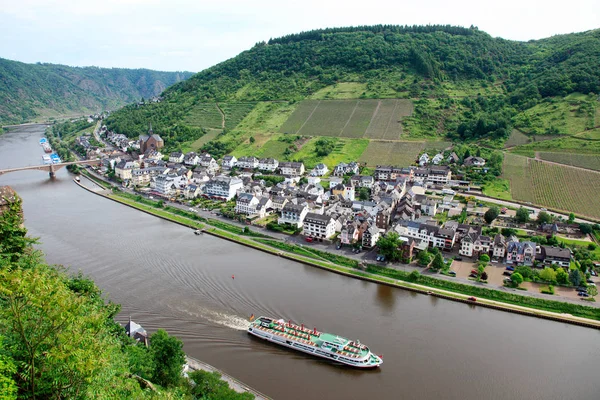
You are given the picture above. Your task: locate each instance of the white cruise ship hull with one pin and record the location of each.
(314, 350)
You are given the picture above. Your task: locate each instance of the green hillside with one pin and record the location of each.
(457, 84)
(29, 91)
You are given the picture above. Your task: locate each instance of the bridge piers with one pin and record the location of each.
(51, 172)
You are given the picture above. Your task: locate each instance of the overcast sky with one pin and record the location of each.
(176, 35)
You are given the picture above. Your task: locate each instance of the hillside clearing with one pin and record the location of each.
(401, 154)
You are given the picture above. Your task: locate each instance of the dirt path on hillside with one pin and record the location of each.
(222, 116)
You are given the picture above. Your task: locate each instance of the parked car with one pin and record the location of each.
(473, 275)
(452, 273)
(507, 273)
(472, 298)
(474, 271)
(339, 246)
(589, 281)
(510, 268)
(458, 258)
(309, 239)
(593, 273)
(583, 294)
(380, 257)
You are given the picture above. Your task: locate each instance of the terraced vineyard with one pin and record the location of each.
(371, 119)
(204, 115)
(589, 161)
(207, 115)
(401, 154)
(555, 186)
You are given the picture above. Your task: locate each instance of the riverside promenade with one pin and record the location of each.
(240, 387)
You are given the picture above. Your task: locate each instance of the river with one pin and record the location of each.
(166, 277)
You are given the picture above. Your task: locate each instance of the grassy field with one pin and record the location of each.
(590, 161)
(516, 138)
(593, 134)
(569, 116)
(267, 117)
(499, 188)
(397, 153)
(342, 90)
(555, 186)
(373, 119)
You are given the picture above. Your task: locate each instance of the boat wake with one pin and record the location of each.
(219, 318)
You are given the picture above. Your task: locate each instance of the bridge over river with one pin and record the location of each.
(51, 168)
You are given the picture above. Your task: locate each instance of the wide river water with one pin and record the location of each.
(164, 276)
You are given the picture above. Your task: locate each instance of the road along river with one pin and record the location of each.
(166, 277)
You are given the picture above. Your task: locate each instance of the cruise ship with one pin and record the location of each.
(325, 345)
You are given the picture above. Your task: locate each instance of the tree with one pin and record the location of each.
(424, 258)
(592, 291)
(252, 140)
(8, 387)
(389, 246)
(525, 271)
(209, 385)
(571, 218)
(168, 358)
(544, 218)
(508, 232)
(522, 215)
(61, 341)
(438, 262)
(562, 276)
(14, 241)
(484, 276)
(585, 228)
(575, 277)
(516, 278)
(491, 214)
(363, 194)
(484, 258)
(548, 274)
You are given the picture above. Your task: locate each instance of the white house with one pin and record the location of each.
(291, 168)
(176, 157)
(191, 158)
(124, 169)
(370, 236)
(164, 184)
(474, 162)
(229, 162)
(223, 187)
(293, 214)
(318, 226)
(246, 203)
(437, 158)
(424, 159)
(191, 191)
(247, 162)
(207, 161)
(319, 170)
(268, 164)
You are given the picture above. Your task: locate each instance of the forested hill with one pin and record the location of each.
(295, 66)
(30, 90)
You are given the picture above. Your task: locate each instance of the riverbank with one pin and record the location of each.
(541, 308)
(238, 386)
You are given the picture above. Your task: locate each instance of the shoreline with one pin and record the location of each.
(367, 276)
(235, 384)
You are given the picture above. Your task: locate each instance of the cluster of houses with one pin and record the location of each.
(332, 208)
(438, 159)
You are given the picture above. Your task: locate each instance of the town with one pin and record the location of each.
(422, 216)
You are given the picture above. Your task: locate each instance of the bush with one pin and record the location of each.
(484, 258)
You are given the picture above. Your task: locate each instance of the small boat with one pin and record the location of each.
(46, 159)
(311, 341)
(77, 178)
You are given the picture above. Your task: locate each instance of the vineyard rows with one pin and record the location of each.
(554, 186)
(371, 119)
(590, 161)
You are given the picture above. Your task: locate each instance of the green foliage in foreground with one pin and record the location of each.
(209, 386)
(58, 338)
